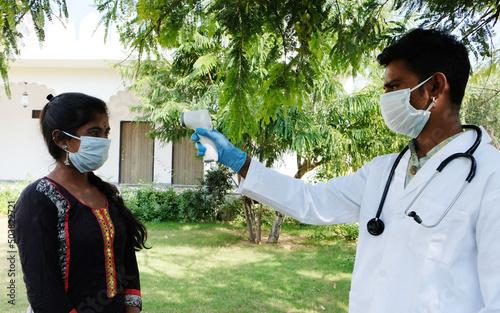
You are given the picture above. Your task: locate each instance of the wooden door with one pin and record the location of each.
(136, 153)
(187, 169)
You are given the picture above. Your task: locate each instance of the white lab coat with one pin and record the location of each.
(452, 268)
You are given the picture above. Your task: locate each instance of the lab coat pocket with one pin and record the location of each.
(438, 243)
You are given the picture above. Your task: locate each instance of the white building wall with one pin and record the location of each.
(72, 59)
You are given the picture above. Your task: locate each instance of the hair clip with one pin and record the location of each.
(51, 98)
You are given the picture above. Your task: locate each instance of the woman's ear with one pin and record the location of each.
(59, 138)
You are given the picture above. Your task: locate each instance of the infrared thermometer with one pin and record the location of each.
(201, 119)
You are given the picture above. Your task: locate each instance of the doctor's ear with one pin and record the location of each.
(439, 84)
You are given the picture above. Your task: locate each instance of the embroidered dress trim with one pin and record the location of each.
(108, 235)
(133, 300)
(51, 191)
(132, 297)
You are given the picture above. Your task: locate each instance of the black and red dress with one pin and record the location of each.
(74, 258)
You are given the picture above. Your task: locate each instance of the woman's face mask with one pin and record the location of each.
(400, 116)
(91, 155)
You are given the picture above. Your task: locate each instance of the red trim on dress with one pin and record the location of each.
(66, 229)
(73, 311)
(132, 292)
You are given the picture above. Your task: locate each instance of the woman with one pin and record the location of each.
(76, 238)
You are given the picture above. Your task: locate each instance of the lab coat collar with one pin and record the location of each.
(459, 144)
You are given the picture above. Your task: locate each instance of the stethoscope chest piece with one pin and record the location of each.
(375, 226)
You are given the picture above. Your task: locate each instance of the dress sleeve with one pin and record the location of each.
(131, 283)
(35, 232)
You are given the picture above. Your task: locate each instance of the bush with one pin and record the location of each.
(230, 210)
(151, 204)
(9, 192)
(216, 186)
(193, 206)
(347, 232)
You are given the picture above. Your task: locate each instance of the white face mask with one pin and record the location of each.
(400, 116)
(91, 155)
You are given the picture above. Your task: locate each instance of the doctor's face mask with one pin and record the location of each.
(400, 116)
(91, 155)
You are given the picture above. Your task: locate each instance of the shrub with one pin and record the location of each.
(193, 206)
(215, 186)
(230, 210)
(10, 192)
(151, 204)
(347, 232)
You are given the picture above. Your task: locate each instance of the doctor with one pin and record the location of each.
(450, 266)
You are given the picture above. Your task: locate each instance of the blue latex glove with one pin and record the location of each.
(229, 155)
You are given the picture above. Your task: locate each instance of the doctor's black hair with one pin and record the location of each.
(428, 51)
(68, 112)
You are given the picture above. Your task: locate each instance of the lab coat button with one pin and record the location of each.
(382, 272)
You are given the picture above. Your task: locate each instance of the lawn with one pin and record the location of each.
(213, 268)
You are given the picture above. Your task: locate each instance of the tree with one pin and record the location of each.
(14, 12)
(481, 105)
(268, 71)
(472, 20)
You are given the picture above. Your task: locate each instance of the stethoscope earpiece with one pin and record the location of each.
(415, 217)
(375, 226)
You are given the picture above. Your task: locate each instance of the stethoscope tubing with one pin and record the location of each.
(376, 226)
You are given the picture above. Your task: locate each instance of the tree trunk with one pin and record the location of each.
(259, 225)
(276, 230)
(248, 217)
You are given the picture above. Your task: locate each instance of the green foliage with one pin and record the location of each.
(216, 185)
(481, 104)
(13, 12)
(248, 61)
(206, 203)
(9, 192)
(230, 210)
(345, 232)
(472, 20)
(355, 133)
(193, 206)
(151, 204)
(349, 232)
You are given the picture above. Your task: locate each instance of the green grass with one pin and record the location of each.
(213, 268)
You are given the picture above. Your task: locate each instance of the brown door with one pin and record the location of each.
(187, 169)
(136, 153)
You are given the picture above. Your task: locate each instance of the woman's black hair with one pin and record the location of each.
(68, 112)
(137, 233)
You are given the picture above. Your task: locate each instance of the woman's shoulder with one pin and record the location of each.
(40, 189)
(39, 196)
(34, 187)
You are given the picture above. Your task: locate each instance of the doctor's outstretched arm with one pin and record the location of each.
(337, 201)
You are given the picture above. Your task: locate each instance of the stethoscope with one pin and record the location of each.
(376, 225)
